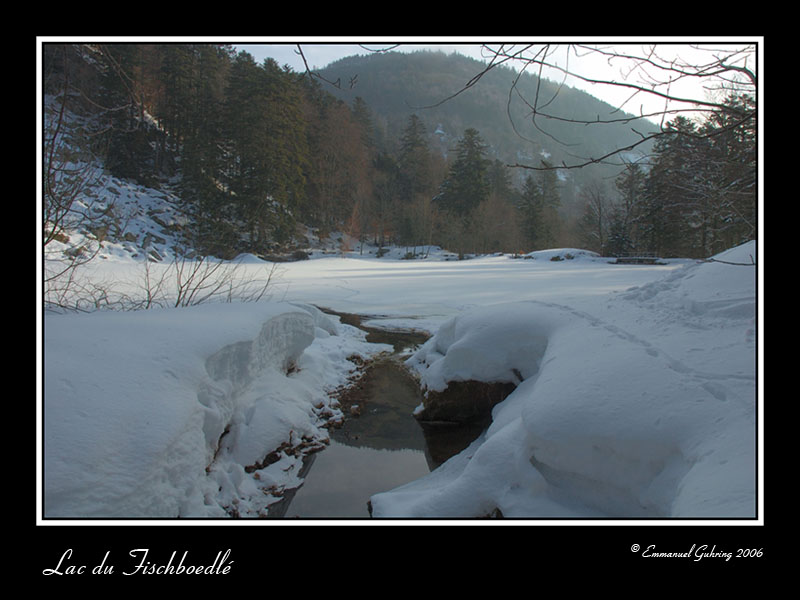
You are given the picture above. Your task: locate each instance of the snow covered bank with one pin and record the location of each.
(643, 408)
(158, 413)
(637, 393)
(557, 254)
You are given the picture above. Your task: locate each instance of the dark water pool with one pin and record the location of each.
(380, 445)
(342, 479)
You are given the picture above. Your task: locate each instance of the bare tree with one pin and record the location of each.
(68, 171)
(596, 217)
(353, 80)
(189, 281)
(652, 76)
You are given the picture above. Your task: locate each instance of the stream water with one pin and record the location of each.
(380, 445)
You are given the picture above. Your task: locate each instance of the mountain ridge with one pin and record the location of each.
(393, 86)
(451, 92)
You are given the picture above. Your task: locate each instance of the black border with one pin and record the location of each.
(337, 552)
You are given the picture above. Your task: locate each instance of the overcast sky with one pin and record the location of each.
(320, 55)
(321, 51)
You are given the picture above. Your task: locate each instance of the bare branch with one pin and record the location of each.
(496, 60)
(380, 50)
(644, 74)
(313, 74)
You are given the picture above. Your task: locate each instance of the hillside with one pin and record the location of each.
(396, 85)
(250, 157)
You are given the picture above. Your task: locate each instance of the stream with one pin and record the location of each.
(380, 445)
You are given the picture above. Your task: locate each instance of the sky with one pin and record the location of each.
(321, 51)
(319, 55)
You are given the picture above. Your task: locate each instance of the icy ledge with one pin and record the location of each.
(184, 401)
(607, 422)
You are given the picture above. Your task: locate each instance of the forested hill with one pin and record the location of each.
(427, 83)
(255, 154)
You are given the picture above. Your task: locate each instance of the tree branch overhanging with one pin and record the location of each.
(646, 74)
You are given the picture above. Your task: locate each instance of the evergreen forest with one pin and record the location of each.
(260, 152)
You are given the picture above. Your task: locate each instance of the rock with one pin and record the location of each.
(463, 402)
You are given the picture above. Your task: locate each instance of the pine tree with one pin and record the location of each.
(387, 187)
(531, 208)
(538, 205)
(177, 72)
(596, 218)
(266, 151)
(414, 158)
(622, 234)
(701, 186)
(729, 188)
(128, 153)
(202, 161)
(467, 184)
(415, 169)
(500, 229)
(462, 192)
(671, 191)
(362, 114)
(551, 201)
(339, 172)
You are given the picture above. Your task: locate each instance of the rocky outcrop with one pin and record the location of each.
(462, 403)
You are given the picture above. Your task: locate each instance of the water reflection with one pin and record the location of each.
(344, 477)
(380, 445)
(380, 408)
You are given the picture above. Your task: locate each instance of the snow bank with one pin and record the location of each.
(635, 397)
(486, 344)
(557, 254)
(157, 413)
(620, 413)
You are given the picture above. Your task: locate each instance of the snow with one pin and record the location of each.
(639, 392)
(646, 408)
(136, 403)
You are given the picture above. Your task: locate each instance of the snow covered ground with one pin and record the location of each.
(639, 396)
(640, 406)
